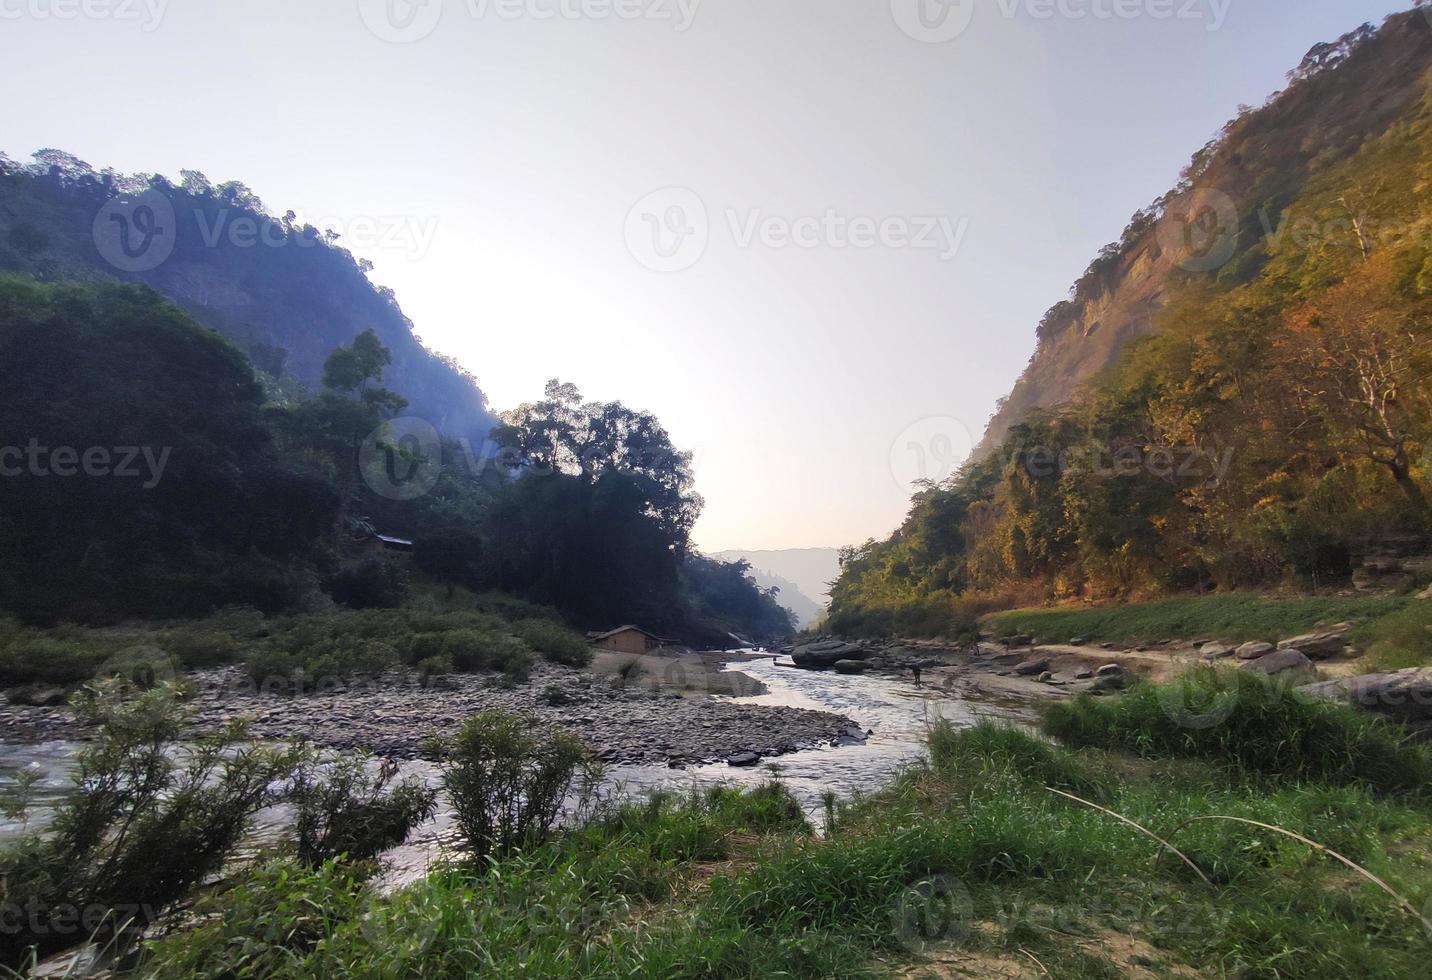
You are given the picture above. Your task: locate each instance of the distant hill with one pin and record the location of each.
(285, 293)
(802, 574)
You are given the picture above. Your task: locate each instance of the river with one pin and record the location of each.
(897, 714)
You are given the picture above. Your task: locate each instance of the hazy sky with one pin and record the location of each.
(813, 236)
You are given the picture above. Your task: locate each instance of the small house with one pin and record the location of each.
(627, 639)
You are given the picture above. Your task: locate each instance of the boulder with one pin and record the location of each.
(1032, 668)
(742, 760)
(1254, 650)
(1285, 664)
(823, 656)
(1083, 675)
(1046, 677)
(1216, 651)
(1111, 670)
(1111, 682)
(1323, 645)
(1404, 695)
(850, 666)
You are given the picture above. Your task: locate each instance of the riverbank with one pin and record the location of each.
(620, 719)
(981, 861)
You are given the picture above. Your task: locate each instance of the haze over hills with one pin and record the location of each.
(804, 576)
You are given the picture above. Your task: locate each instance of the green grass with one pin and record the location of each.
(1233, 618)
(1400, 639)
(968, 855)
(1257, 725)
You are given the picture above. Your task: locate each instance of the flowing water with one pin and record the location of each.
(897, 714)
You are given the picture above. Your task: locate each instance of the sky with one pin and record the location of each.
(814, 237)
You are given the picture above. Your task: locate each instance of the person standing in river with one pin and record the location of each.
(915, 668)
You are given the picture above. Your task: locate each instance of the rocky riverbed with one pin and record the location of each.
(392, 715)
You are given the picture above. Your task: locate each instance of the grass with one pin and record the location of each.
(1260, 727)
(1399, 639)
(1233, 618)
(967, 857)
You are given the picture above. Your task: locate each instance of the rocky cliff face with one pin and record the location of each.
(1215, 225)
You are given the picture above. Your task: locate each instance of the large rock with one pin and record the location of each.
(824, 656)
(1284, 665)
(1032, 668)
(850, 666)
(1252, 651)
(1404, 695)
(1217, 651)
(1323, 645)
(1111, 670)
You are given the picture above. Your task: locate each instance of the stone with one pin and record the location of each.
(1046, 677)
(1215, 651)
(1285, 664)
(743, 760)
(1404, 695)
(824, 656)
(850, 667)
(1032, 668)
(1083, 675)
(1111, 670)
(1323, 645)
(1078, 641)
(1111, 682)
(1254, 650)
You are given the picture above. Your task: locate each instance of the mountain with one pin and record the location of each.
(1218, 222)
(1235, 396)
(802, 574)
(284, 293)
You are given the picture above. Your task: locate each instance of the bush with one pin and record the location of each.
(43, 660)
(346, 809)
(258, 927)
(140, 829)
(1258, 725)
(471, 651)
(555, 642)
(508, 776)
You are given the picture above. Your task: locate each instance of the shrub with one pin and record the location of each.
(555, 642)
(471, 651)
(508, 776)
(44, 660)
(1254, 723)
(350, 809)
(140, 829)
(433, 670)
(258, 927)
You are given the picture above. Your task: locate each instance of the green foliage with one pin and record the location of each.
(141, 829)
(262, 925)
(508, 777)
(348, 808)
(1235, 618)
(1258, 725)
(555, 642)
(208, 514)
(372, 583)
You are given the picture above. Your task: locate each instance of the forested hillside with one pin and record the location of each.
(1272, 423)
(284, 292)
(148, 473)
